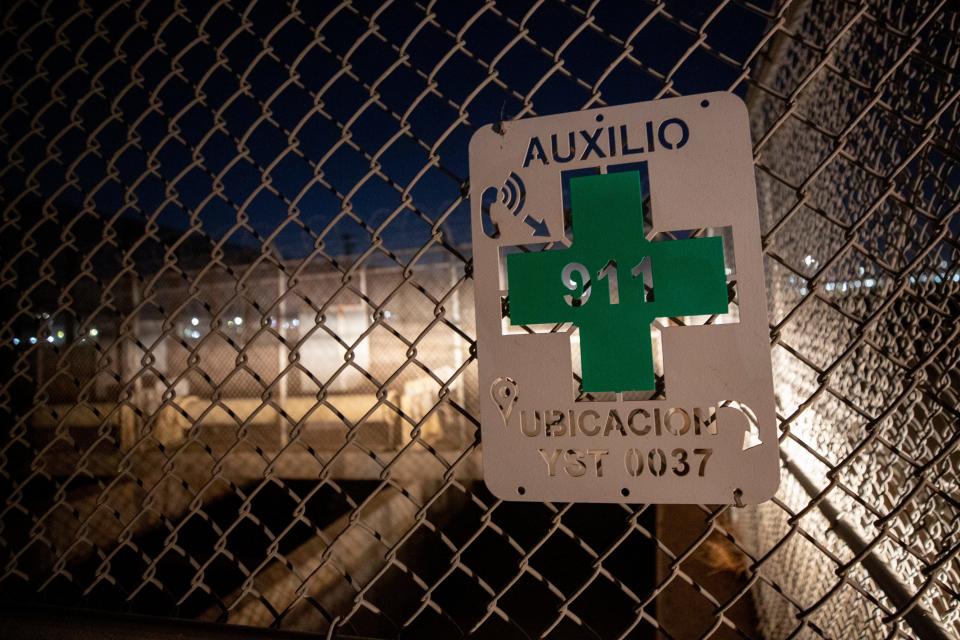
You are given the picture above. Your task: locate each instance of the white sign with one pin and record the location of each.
(623, 342)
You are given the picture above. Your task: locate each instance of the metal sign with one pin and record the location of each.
(621, 312)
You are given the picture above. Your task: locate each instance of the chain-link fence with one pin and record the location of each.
(239, 347)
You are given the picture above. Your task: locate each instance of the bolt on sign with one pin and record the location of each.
(621, 312)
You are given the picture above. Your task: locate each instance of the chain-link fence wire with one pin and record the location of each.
(859, 182)
(239, 339)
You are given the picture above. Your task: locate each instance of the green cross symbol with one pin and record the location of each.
(598, 284)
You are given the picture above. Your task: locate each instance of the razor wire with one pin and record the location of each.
(240, 348)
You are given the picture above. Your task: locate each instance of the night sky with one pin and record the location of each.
(303, 134)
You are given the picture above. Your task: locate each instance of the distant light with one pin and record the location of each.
(45, 315)
(16, 341)
(33, 340)
(94, 332)
(956, 277)
(809, 261)
(803, 291)
(60, 334)
(194, 321)
(195, 334)
(50, 339)
(295, 322)
(861, 270)
(286, 325)
(238, 320)
(869, 283)
(831, 286)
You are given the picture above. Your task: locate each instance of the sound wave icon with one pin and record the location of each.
(513, 194)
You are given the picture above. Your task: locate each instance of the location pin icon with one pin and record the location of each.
(504, 393)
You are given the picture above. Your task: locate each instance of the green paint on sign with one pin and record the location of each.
(603, 292)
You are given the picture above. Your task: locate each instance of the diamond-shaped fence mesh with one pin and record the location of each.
(238, 335)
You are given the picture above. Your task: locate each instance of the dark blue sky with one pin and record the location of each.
(178, 119)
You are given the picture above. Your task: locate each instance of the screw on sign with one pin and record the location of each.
(687, 276)
(683, 295)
